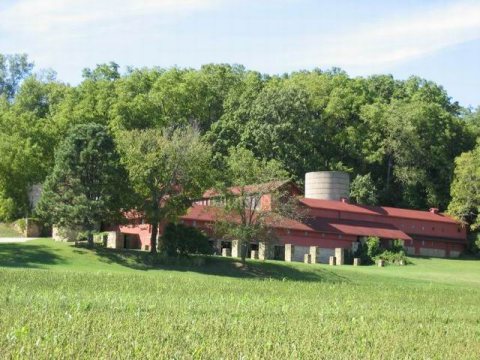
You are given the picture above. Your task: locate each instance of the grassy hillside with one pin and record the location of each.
(7, 230)
(61, 301)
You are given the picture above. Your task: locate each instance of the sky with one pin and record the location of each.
(436, 40)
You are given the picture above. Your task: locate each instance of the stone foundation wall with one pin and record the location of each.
(432, 252)
(454, 254)
(318, 255)
(409, 250)
(300, 252)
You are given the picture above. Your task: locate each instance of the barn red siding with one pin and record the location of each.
(339, 224)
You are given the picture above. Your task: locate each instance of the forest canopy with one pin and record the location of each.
(405, 133)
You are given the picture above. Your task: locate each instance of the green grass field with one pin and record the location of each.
(58, 301)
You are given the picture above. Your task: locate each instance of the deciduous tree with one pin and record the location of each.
(167, 169)
(465, 190)
(363, 190)
(242, 217)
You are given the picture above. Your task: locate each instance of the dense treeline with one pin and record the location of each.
(405, 134)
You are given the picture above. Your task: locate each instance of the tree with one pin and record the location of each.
(19, 168)
(182, 240)
(167, 169)
(363, 190)
(242, 217)
(405, 133)
(274, 122)
(13, 69)
(87, 184)
(465, 190)
(28, 137)
(107, 72)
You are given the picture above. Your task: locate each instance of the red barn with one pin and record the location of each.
(333, 223)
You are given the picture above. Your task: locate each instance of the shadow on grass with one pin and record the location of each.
(219, 266)
(28, 256)
(464, 257)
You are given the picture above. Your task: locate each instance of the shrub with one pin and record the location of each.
(21, 225)
(392, 257)
(371, 251)
(373, 246)
(474, 242)
(181, 240)
(397, 246)
(361, 253)
(7, 208)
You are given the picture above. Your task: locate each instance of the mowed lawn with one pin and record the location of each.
(58, 301)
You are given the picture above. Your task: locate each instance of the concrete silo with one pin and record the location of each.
(327, 185)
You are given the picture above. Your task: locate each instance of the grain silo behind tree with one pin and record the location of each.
(327, 185)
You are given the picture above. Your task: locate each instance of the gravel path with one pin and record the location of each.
(14, 240)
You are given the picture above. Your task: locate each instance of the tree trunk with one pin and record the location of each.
(243, 252)
(389, 172)
(153, 238)
(155, 220)
(90, 239)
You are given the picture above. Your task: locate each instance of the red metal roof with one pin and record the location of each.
(359, 228)
(377, 210)
(200, 213)
(335, 226)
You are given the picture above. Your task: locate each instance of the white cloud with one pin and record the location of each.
(44, 16)
(71, 34)
(68, 35)
(393, 41)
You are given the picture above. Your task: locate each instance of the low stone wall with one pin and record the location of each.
(314, 254)
(64, 234)
(236, 248)
(317, 254)
(265, 251)
(340, 256)
(289, 252)
(115, 240)
(29, 227)
(226, 252)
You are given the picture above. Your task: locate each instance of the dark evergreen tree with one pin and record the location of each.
(88, 184)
